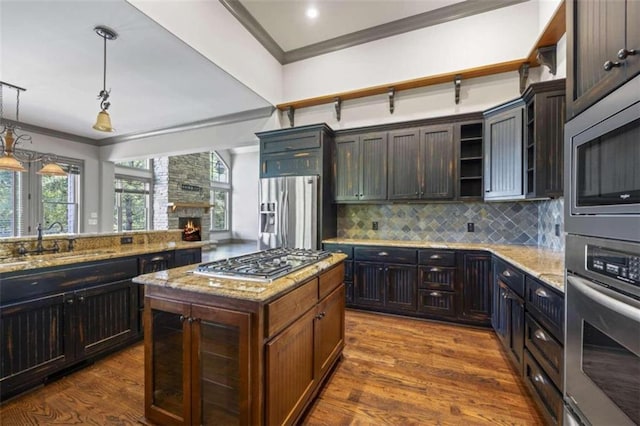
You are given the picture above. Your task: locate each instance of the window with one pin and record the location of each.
(9, 203)
(60, 201)
(220, 190)
(136, 164)
(28, 199)
(132, 204)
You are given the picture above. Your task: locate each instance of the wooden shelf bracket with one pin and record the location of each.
(547, 57)
(392, 94)
(290, 113)
(337, 103)
(524, 75)
(456, 82)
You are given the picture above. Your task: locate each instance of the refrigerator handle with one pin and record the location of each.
(285, 218)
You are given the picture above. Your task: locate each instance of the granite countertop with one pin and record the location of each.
(68, 258)
(544, 264)
(183, 279)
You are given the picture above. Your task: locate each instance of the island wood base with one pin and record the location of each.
(215, 359)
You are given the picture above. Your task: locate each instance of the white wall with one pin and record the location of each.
(210, 29)
(501, 35)
(244, 204)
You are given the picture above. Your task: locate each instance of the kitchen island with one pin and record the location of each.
(233, 351)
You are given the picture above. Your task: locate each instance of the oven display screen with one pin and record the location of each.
(613, 368)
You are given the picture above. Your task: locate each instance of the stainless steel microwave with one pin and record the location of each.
(602, 167)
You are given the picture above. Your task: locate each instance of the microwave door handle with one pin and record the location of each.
(590, 290)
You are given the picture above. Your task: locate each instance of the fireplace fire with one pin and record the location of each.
(190, 228)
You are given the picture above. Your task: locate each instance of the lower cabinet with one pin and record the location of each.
(199, 360)
(186, 257)
(212, 360)
(45, 335)
(507, 320)
(475, 288)
(388, 286)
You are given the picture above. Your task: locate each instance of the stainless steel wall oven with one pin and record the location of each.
(602, 167)
(602, 343)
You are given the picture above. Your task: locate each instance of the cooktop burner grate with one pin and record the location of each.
(264, 266)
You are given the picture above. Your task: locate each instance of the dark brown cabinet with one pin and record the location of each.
(187, 257)
(544, 139)
(475, 287)
(603, 49)
(437, 285)
(348, 268)
(503, 152)
(54, 319)
(360, 167)
(421, 163)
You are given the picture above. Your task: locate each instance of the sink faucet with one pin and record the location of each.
(39, 247)
(59, 225)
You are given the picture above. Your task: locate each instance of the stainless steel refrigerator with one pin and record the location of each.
(288, 212)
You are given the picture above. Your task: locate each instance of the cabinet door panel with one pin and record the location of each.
(404, 148)
(369, 284)
(346, 168)
(633, 38)
(373, 166)
(290, 370)
(550, 117)
(107, 316)
(596, 32)
(329, 330)
(439, 303)
(401, 292)
(220, 366)
(503, 156)
(167, 362)
(436, 162)
(476, 287)
(34, 341)
(516, 330)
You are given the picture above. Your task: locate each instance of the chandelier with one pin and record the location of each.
(103, 122)
(11, 157)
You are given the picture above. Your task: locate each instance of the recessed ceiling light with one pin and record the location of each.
(312, 12)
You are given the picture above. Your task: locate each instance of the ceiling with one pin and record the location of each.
(158, 83)
(157, 80)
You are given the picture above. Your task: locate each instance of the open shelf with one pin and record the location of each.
(471, 161)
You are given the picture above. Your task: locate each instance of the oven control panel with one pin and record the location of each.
(615, 264)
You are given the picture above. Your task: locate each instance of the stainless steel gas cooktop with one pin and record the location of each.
(263, 266)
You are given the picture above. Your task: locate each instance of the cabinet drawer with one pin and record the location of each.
(385, 254)
(67, 278)
(511, 276)
(292, 305)
(330, 280)
(339, 248)
(546, 306)
(548, 398)
(440, 303)
(297, 141)
(437, 257)
(437, 278)
(545, 349)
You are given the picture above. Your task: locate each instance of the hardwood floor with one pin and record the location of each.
(394, 371)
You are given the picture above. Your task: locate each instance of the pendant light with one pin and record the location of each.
(103, 122)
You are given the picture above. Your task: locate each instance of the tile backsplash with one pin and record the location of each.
(528, 223)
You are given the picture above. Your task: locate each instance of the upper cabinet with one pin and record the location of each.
(603, 49)
(421, 163)
(544, 117)
(297, 151)
(360, 167)
(503, 152)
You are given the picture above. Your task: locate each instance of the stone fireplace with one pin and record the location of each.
(190, 227)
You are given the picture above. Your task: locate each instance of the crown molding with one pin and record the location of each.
(53, 133)
(252, 114)
(400, 26)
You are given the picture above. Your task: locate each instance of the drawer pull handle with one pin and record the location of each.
(538, 378)
(540, 292)
(506, 273)
(540, 335)
(156, 259)
(182, 318)
(435, 294)
(383, 253)
(34, 283)
(435, 270)
(435, 256)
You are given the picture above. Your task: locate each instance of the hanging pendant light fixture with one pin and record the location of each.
(11, 158)
(103, 122)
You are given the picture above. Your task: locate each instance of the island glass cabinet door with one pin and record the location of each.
(197, 364)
